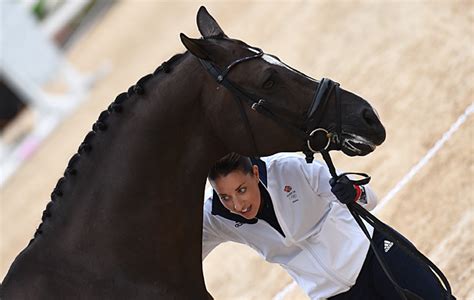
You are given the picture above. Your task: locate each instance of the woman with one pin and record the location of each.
(288, 212)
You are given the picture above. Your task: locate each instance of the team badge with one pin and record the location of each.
(287, 188)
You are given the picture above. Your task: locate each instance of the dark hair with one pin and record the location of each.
(228, 164)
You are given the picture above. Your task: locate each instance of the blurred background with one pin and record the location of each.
(62, 62)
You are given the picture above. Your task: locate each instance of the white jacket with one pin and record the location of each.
(323, 249)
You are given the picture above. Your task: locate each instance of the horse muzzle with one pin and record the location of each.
(355, 145)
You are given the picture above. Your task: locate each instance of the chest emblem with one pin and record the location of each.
(290, 193)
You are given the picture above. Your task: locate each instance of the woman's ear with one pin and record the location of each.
(255, 172)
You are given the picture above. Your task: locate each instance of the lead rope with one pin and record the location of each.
(360, 213)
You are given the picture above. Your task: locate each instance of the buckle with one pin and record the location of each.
(255, 105)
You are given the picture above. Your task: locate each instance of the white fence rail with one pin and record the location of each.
(28, 60)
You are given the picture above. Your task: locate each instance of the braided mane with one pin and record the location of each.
(100, 125)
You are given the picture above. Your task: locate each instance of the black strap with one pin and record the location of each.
(324, 90)
(318, 97)
(222, 75)
(320, 101)
(338, 113)
(281, 110)
(247, 124)
(262, 108)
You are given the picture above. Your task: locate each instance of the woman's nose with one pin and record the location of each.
(238, 204)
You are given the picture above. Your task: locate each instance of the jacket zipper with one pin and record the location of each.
(333, 275)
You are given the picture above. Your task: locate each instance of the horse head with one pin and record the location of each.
(302, 114)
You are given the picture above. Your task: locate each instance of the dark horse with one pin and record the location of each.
(125, 220)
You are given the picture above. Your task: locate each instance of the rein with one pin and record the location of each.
(312, 134)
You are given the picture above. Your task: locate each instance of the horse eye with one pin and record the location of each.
(268, 84)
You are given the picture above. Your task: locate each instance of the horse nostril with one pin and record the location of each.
(370, 118)
(373, 122)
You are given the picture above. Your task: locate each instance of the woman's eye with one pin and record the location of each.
(225, 198)
(242, 190)
(268, 84)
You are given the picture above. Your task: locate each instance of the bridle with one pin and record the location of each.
(318, 139)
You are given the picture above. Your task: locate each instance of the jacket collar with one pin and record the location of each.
(262, 169)
(219, 209)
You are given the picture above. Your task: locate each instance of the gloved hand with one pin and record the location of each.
(344, 190)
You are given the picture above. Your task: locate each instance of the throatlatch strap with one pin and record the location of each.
(247, 123)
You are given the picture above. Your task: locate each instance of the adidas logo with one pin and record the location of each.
(387, 245)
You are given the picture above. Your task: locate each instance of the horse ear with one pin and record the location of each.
(207, 25)
(198, 47)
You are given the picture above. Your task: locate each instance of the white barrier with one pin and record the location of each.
(28, 60)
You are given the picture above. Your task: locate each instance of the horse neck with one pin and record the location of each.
(134, 205)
